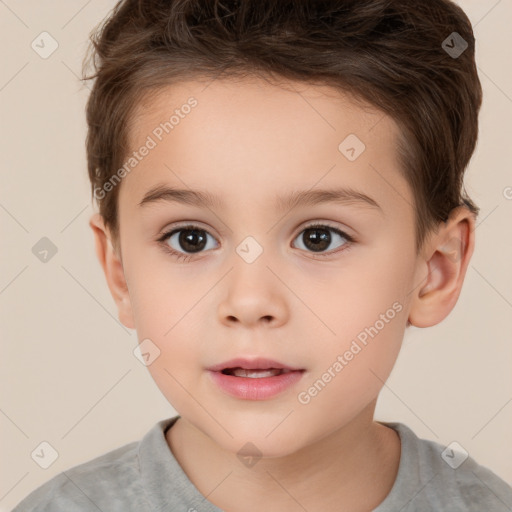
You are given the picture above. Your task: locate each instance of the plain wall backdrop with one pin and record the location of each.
(68, 373)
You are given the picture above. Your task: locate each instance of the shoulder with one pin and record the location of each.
(437, 477)
(90, 486)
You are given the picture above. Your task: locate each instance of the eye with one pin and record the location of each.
(191, 239)
(317, 238)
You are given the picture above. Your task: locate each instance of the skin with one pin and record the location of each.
(247, 142)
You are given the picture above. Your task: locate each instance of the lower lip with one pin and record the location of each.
(256, 388)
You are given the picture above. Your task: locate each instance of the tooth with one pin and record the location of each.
(256, 374)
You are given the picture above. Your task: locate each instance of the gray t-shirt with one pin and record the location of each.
(144, 476)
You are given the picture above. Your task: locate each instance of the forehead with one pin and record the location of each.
(253, 99)
(250, 135)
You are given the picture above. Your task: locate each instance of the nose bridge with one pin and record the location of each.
(254, 228)
(253, 292)
(251, 263)
(253, 234)
(253, 248)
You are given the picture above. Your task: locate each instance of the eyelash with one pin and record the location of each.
(186, 257)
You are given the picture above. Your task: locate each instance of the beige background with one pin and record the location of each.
(68, 374)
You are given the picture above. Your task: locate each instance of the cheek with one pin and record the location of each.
(166, 308)
(350, 371)
(369, 288)
(365, 306)
(177, 368)
(162, 295)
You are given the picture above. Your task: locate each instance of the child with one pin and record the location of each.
(280, 190)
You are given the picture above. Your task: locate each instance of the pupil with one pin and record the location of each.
(319, 241)
(192, 240)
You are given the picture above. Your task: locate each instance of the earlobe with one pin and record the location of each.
(112, 265)
(443, 269)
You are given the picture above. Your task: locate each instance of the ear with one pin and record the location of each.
(111, 262)
(442, 269)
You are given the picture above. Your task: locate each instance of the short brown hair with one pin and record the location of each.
(390, 54)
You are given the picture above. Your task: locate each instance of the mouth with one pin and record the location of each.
(255, 374)
(252, 367)
(254, 379)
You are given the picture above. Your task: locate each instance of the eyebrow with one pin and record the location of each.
(200, 198)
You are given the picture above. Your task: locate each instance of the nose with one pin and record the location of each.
(253, 295)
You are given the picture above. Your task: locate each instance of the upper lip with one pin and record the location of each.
(250, 364)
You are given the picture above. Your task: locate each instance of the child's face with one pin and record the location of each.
(247, 144)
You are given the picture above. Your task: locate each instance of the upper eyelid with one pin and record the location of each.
(168, 231)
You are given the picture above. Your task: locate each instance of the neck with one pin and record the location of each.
(355, 466)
